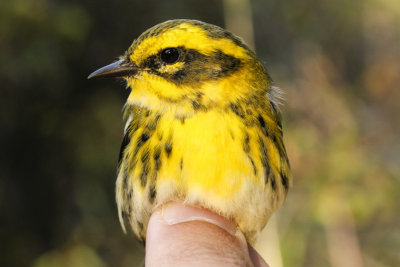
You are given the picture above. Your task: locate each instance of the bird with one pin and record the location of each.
(202, 127)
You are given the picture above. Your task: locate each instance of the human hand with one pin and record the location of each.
(180, 235)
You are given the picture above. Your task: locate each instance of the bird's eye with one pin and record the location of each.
(169, 55)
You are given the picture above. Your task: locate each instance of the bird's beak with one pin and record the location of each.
(119, 68)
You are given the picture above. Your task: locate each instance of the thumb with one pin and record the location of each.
(179, 235)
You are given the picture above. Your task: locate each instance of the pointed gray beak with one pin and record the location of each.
(120, 68)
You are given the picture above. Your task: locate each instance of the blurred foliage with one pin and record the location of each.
(338, 62)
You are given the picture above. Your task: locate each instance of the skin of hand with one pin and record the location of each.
(180, 235)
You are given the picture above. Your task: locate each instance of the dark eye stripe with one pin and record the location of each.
(152, 62)
(197, 68)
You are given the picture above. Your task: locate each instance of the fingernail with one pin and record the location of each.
(174, 213)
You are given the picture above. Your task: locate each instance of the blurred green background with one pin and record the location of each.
(338, 62)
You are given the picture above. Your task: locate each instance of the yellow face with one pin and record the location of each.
(186, 65)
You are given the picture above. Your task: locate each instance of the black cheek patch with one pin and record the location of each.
(229, 64)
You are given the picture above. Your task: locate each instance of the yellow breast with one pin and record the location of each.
(216, 159)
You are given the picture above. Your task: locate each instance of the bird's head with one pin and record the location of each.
(184, 65)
